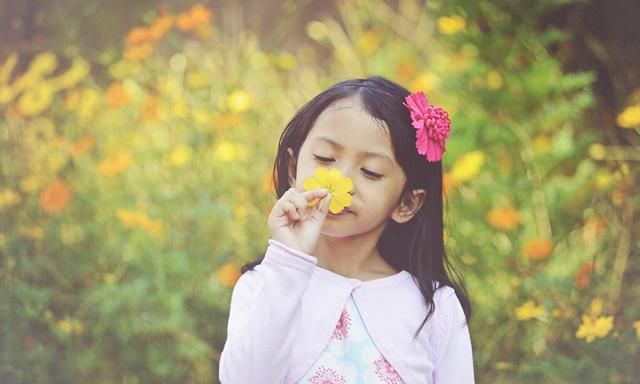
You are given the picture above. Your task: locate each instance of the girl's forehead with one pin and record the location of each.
(347, 124)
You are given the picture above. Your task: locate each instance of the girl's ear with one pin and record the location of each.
(291, 167)
(409, 206)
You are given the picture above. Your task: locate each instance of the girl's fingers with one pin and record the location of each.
(289, 209)
(314, 194)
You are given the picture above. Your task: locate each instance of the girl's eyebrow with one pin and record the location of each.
(367, 154)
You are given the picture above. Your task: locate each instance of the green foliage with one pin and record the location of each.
(132, 191)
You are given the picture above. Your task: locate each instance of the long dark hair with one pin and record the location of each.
(416, 246)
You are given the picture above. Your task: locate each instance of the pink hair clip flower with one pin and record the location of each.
(432, 126)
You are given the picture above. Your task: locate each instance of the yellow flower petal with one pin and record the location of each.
(337, 185)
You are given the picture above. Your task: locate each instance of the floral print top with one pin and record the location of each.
(351, 357)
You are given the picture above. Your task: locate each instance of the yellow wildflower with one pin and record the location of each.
(36, 100)
(426, 81)
(369, 42)
(78, 70)
(449, 25)
(494, 80)
(43, 64)
(595, 307)
(593, 327)
(239, 101)
(8, 198)
(467, 166)
(227, 151)
(636, 325)
(338, 186)
(630, 117)
(7, 68)
(197, 79)
(115, 164)
(529, 310)
(597, 151)
(132, 219)
(180, 155)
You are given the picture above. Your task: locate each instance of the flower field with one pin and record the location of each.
(135, 183)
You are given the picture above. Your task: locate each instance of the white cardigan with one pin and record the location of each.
(283, 314)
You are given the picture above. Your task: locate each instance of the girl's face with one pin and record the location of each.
(346, 137)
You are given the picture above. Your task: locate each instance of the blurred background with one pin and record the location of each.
(137, 140)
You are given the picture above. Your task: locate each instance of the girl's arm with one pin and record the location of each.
(264, 317)
(454, 364)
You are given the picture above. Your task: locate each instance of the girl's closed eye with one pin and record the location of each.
(368, 173)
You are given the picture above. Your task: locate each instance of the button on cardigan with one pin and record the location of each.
(284, 312)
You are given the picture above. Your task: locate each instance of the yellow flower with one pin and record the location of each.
(369, 42)
(115, 164)
(36, 100)
(494, 80)
(338, 186)
(529, 310)
(467, 166)
(8, 198)
(138, 219)
(426, 81)
(595, 308)
(630, 117)
(227, 151)
(593, 327)
(78, 70)
(43, 64)
(197, 79)
(180, 155)
(636, 325)
(449, 25)
(239, 101)
(7, 67)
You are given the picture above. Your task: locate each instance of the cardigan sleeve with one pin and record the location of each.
(454, 358)
(264, 317)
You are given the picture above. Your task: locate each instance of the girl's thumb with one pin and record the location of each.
(324, 204)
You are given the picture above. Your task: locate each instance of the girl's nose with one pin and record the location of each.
(350, 172)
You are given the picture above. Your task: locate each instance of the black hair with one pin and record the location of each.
(416, 246)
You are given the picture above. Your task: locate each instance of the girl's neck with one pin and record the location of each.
(353, 257)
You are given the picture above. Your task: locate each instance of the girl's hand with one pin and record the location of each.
(294, 223)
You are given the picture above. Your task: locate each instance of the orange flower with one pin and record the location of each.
(160, 26)
(115, 164)
(194, 18)
(138, 35)
(150, 109)
(138, 52)
(117, 95)
(228, 274)
(537, 249)
(505, 218)
(583, 277)
(55, 196)
(82, 146)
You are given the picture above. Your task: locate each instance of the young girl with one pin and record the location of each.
(361, 295)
